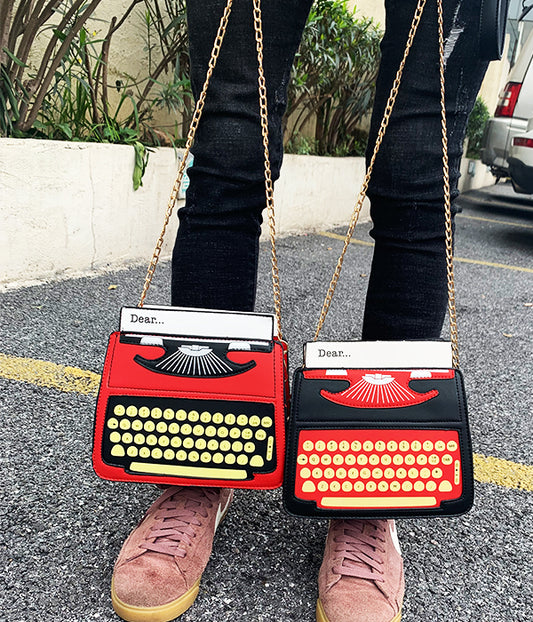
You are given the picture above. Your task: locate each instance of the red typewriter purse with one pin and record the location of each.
(380, 429)
(195, 396)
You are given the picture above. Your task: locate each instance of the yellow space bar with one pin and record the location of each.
(187, 471)
(377, 502)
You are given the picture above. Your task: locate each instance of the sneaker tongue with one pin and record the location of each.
(359, 545)
(177, 515)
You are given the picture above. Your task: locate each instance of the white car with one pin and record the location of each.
(521, 161)
(514, 109)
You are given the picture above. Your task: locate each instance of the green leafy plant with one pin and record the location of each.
(68, 94)
(333, 79)
(476, 126)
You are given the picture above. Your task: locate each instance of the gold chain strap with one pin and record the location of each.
(362, 194)
(269, 188)
(190, 138)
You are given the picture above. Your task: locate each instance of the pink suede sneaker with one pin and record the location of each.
(361, 577)
(158, 571)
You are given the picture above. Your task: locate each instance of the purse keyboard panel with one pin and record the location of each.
(169, 437)
(372, 469)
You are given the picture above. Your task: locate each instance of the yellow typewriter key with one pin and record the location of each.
(302, 459)
(386, 459)
(425, 473)
(320, 445)
(447, 459)
(144, 452)
(344, 445)
(175, 441)
(392, 446)
(254, 421)
(377, 473)
(433, 459)
(198, 430)
(308, 446)
(181, 415)
(431, 486)
(131, 411)
(188, 442)
(266, 422)
(218, 418)
(200, 443)
(260, 435)
(317, 473)
(157, 413)
(112, 424)
(125, 424)
(194, 456)
(186, 429)
(338, 459)
(212, 445)
(242, 460)
(127, 438)
(335, 486)
(205, 417)
(416, 445)
(437, 473)
(451, 446)
(181, 455)
(247, 434)
(139, 439)
(169, 454)
(237, 447)
(205, 457)
(428, 446)
(226, 446)
(249, 448)
(229, 459)
(242, 420)
(168, 414)
(347, 486)
(410, 459)
(322, 486)
(404, 446)
(157, 454)
(362, 459)
(389, 473)
(419, 486)
(137, 425)
(211, 431)
(350, 459)
(340, 473)
(332, 446)
(358, 486)
(395, 486)
(440, 446)
(115, 437)
(305, 473)
(371, 486)
(374, 459)
(218, 458)
(407, 486)
(325, 459)
(383, 486)
(163, 441)
(329, 473)
(380, 446)
(413, 473)
(161, 427)
(119, 410)
(193, 416)
(365, 473)
(230, 419)
(421, 459)
(132, 451)
(353, 473)
(368, 445)
(149, 426)
(151, 439)
(235, 433)
(222, 432)
(174, 428)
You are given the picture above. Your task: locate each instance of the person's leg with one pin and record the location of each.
(214, 265)
(407, 292)
(215, 256)
(361, 577)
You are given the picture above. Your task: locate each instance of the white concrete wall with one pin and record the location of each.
(69, 208)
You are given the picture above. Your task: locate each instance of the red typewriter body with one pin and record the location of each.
(206, 411)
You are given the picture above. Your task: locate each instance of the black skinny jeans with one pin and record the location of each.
(215, 256)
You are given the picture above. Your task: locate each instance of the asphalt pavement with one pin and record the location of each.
(61, 527)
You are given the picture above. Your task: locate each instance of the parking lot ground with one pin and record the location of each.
(61, 527)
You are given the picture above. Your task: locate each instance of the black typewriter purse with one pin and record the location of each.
(380, 429)
(196, 396)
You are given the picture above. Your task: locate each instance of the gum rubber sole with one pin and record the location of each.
(163, 613)
(321, 614)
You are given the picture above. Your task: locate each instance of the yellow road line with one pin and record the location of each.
(477, 262)
(487, 469)
(336, 236)
(491, 470)
(46, 374)
(495, 220)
